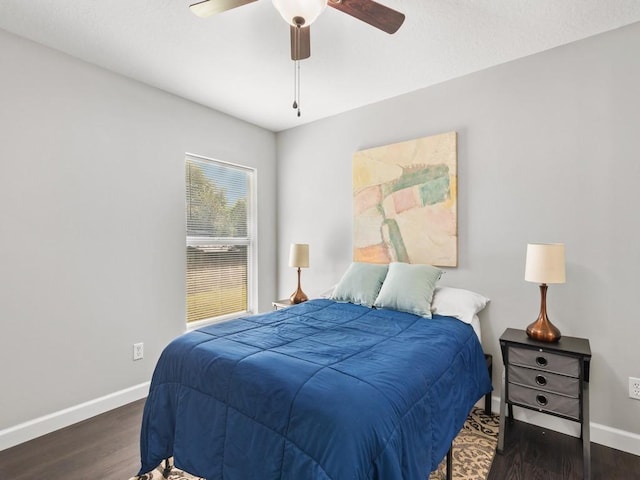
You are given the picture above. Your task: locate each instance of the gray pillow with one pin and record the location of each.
(409, 288)
(360, 284)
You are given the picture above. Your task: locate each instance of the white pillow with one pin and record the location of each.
(458, 303)
(329, 292)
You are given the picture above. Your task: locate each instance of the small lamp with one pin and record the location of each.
(545, 264)
(299, 258)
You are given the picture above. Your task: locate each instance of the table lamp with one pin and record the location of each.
(299, 258)
(544, 264)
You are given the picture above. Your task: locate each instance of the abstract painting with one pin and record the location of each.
(405, 202)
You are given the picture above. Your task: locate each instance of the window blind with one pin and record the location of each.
(219, 240)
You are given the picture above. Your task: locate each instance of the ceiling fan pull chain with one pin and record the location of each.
(295, 85)
(298, 85)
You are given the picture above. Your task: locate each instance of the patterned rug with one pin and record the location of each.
(473, 451)
(473, 448)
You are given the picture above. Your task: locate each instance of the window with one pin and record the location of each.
(220, 240)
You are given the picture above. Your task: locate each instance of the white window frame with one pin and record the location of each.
(252, 243)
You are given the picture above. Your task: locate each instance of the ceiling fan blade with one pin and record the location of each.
(300, 42)
(211, 7)
(376, 15)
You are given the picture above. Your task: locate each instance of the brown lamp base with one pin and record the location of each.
(298, 296)
(542, 329)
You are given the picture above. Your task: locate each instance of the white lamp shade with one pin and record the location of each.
(545, 263)
(299, 255)
(310, 10)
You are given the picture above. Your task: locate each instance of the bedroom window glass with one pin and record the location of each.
(220, 240)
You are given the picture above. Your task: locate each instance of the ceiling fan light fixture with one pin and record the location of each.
(294, 10)
(300, 14)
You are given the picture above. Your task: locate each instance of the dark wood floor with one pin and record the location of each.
(101, 448)
(106, 448)
(533, 453)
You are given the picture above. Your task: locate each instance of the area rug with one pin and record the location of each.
(473, 451)
(473, 448)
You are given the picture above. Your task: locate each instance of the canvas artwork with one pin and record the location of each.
(405, 202)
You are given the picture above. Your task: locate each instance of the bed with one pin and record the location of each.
(322, 390)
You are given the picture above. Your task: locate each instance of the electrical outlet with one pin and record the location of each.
(634, 388)
(138, 351)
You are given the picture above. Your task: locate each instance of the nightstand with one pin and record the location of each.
(551, 378)
(280, 304)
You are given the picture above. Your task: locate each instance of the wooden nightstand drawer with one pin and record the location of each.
(547, 381)
(543, 360)
(545, 401)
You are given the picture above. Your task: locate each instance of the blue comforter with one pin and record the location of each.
(322, 390)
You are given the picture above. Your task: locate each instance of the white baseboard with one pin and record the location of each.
(37, 427)
(601, 434)
(615, 438)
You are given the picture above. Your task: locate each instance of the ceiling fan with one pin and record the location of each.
(300, 14)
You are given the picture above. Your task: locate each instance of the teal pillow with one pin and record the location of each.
(409, 288)
(360, 284)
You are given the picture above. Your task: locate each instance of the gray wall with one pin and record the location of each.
(92, 222)
(548, 151)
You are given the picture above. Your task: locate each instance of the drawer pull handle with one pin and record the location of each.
(541, 361)
(542, 400)
(541, 380)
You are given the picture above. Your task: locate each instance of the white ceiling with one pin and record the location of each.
(238, 61)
